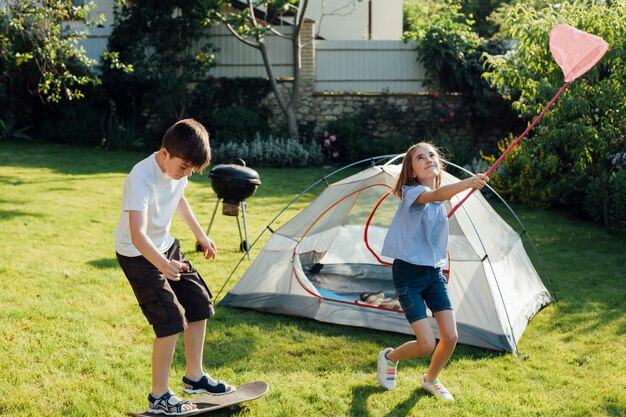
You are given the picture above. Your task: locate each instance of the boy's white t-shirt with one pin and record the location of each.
(149, 190)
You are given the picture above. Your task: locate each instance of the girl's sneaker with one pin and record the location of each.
(204, 386)
(436, 388)
(386, 370)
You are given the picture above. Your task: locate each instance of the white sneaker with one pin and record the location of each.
(386, 370)
(436, 388)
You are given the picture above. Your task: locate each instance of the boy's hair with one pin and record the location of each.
(188, 140)
(405, 177)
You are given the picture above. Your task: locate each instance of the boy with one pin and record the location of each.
(162, 280)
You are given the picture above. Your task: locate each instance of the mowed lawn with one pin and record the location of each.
(73, 342)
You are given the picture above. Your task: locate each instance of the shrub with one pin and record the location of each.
(586, 126)
(452, 55)
(616, 207)
(237, 123)
(165, 41)
(120, 135)
(271, 152)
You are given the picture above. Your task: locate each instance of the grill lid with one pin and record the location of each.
(234, 183)
(235, 173)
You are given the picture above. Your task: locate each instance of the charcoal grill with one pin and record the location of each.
(233, 183)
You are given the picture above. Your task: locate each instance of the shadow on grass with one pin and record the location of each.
(106, 263)
(295, 343)
(360, 394)
(13, 214)
(68, 159)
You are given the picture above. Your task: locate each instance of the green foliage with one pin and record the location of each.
(586, 128)
(452, 54)
(616, 191)
(518, 180)
(480, 11)
(40, 52)
(270, 152)
(231, 108)
(72, 124)
(354, 140)
(166, 43)
(237, 123)
(120, 135)
(76, 122)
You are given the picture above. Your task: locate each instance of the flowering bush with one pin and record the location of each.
(446, 113)
(330, 147)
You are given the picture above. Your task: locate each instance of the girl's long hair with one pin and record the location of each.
(405, 177)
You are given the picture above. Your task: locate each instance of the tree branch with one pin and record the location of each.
(248, 42)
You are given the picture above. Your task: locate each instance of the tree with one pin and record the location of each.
(40, 52)
(577, 155)
(451, 52)
(252, 31)
(168, 44)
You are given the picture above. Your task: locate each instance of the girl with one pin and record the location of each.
(417, 240)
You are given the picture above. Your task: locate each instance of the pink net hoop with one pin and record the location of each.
(575, 51)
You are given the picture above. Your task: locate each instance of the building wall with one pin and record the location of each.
(356, 20)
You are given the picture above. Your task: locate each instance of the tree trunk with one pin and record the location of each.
(292, 122)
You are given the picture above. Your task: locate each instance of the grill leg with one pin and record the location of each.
(217, 204)
(241, 247)
(198, 247)
(245, 228)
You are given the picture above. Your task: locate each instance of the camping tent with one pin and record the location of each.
(317, 264)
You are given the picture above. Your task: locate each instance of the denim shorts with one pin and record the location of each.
(418, 286)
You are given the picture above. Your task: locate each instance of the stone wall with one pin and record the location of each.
(319, 109)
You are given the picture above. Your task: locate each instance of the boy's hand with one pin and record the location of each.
(208, 247)
(172, 272)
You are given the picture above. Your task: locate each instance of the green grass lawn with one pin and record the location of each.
(74, 342)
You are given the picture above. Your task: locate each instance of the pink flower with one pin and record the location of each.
(335, 154)
(333, 138)
(326, 143)
(469, 114)
(450, 114)
(435, 95)
(441, 121)
(326, 133)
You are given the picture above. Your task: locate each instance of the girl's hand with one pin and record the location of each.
(478, 181)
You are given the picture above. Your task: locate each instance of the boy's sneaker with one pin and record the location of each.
(204, 386)
(436, 388)
(169, 405)
(386, 370)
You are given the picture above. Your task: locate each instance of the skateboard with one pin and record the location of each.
(207, 403)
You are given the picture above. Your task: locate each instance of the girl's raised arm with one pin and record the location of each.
(448, 191)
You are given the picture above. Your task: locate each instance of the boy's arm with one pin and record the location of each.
(448, 191)
(208, 246)
(138, 226)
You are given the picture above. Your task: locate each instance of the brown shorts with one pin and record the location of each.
(163, 301)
